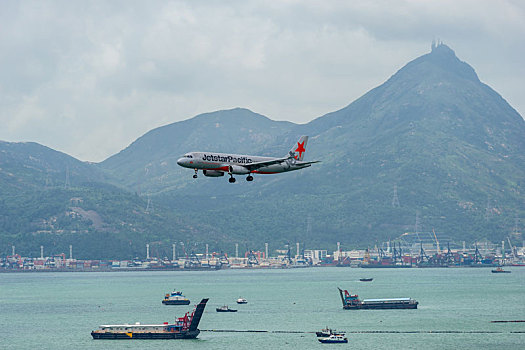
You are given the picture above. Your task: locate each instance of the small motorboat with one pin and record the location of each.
(334, 338)
(225, 308)
(500, 270)
(366, 279)
(242, 301)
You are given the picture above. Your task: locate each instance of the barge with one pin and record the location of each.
(352, 302)
(500, 270)
(183, 328)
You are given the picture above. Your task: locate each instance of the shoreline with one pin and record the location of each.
(225, 268)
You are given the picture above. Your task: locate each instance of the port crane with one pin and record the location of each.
(223, 257)
(512, 249)
(477, 255)
(448, 255)
(252, 258)
(423, 257)
(437, 242)
(184, 250)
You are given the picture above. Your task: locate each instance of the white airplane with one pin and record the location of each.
(217, 164)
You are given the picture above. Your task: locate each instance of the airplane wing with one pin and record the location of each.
(291, 160)
(307, 164)
(258, 165)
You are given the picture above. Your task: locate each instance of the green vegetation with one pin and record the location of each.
(453, 147)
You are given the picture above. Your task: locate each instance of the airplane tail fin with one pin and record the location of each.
(298, 150)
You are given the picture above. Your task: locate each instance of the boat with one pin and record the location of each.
(500, 270)
(326, 332)
(242, 301)
(183, 328)
(334, 338)
(175, 298)
(352, 302)
(225, 308)
(366, 279)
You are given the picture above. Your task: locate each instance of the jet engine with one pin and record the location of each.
(237, 169)
(212, 173)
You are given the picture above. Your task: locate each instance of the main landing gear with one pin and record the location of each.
(232, 179)
(195, 175)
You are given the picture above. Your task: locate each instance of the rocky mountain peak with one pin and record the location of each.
(443, 59)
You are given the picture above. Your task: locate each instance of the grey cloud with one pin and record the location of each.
(88, 78)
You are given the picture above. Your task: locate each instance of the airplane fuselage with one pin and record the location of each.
(215, 164)
(235, 163)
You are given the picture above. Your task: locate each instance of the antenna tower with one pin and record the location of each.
(308, 226)
(516, 230)
(48, 179)
(149, 206)
(67, 184)
(488, 211)
(395, 200)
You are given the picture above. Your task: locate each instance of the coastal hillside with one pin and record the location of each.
(431, 149)
(49, 198)
(450, 147)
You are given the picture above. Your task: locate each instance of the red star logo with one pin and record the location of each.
(300, 149)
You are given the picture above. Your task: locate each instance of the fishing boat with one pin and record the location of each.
(334, 338)
(225, 308)
(183, 328)
(352, 302)
(500, 270)
(175, 298)
(242, 301)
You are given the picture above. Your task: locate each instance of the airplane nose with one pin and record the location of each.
(181, 161)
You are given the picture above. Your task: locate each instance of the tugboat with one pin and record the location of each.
(500, 270)
(334, 338)
(225, 308)
(183, 328)
(352, 302)
(175, 298)
(326, 332)
(242, 301)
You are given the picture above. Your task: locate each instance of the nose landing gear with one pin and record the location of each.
(195, 175)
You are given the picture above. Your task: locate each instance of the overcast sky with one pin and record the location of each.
(89, 77)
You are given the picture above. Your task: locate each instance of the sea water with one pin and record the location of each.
(456, 307)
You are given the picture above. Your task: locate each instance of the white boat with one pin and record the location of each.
(242, 301)
(334, 338)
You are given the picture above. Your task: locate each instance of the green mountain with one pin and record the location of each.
(49, 198)
(25, 165)
(451, 147)
(149, 165)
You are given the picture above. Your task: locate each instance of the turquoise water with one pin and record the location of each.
(59, 310)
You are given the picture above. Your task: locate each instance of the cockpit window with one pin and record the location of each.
(188, 156)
